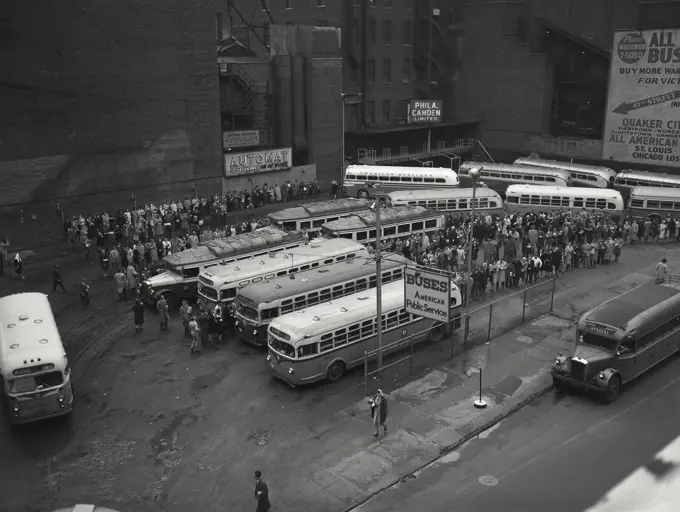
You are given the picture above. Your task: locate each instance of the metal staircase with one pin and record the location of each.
(250, 105)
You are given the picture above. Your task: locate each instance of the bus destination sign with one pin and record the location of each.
(427, 294)
(600, 329)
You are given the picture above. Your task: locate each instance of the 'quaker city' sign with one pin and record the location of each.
(643, 113)
(236, 164)
(425, 111)
(242, 139)
(427, 294)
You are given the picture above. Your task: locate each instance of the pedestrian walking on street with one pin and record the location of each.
(185, 315)
(121, 284)
(195, 335)
(163, 312)
(4, 249)
(56, 280)
(261, 493)
(661, 271)
(138, 310)
(379, 411)
(18, 266)
(132, 280)
(84, 290)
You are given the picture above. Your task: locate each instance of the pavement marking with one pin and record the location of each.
(488, 481)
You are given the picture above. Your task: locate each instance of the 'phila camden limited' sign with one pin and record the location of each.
(425, 111)
(258, 161)
(427, 294)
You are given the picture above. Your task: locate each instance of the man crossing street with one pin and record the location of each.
(56, 279)
(162, 307)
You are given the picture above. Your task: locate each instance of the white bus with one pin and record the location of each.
(258, 304)
(449, 200)
(311, 216)
(499, 176)
(626, 180)
(36, 377)
(582, 175)
(180, 279)
(527, 198)
(395, 222)
(654, 202)
(322, 342)
(379, 180)
(221, 284)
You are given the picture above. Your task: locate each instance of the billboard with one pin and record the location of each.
(278, 159)
(642, 124)
(427, 294)
(425, 111)
(242, 139)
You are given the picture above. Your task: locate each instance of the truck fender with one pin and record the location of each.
(608, 374)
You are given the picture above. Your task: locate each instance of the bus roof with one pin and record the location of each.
(320, 208)
(274, 262)
(387, 216)
(442, 193)
(596, 193)
(28, 332)
(660, 192)
(400, 171)
(541, 162)
(519, 168)
(646, 175)
(233, 246)
(630, 311)
(284, 287)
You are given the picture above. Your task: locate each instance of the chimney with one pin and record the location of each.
(218, 23)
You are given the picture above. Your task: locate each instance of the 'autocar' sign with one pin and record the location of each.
(425, 111)
(427, 294)
(258, 161)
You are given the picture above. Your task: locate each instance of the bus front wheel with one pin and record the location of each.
(437, 334)
(335, 371)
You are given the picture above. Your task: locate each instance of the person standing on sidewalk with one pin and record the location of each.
(162, 307)
(84, 290)
(121, 284)
(261, 493)
(661, 271)
(18, 266)
(379, 411)
(185, 315)
(56, 280)
(195, 333)
(4, 249)
(138, 310)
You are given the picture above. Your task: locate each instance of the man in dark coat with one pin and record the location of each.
(261, 493)
(138, 310)
(56, 279)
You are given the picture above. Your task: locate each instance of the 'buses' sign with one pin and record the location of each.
(427, 294)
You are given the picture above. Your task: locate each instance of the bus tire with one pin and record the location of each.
(613, 390)
(335, 371)
(437, 333)
(363, 194)
(171, 299)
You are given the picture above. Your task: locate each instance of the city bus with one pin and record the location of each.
(449, 200)
(499, 176)
(324, 341)
(654, 202)
(395, 222)
(581, 175)
(527, 198)
(34, 370)
(180, 279)
(621, 339)
(311, 216)
(379, 180)
(219, 285)
(626, 180)
(258, 304)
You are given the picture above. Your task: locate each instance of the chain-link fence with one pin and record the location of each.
(420, 351)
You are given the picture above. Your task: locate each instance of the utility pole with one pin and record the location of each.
(429, 73)
(378, 281)
(475, 173)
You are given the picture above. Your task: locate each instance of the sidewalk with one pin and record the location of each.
(339, 465)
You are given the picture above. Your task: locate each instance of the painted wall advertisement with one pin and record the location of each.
(427, 294)
(425, 111)
(642, 123)
(236, 164)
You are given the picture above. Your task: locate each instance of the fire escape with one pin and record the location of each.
(247, 103)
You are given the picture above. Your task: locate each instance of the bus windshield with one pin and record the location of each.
(247, 311)
(32, 383)
(596, 340)
(282, 348)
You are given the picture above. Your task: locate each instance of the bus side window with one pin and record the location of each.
(417, 226)
(578, 202)
(308, 350)
(325, 295)
(340, 338)
(367, 328)
(354, 333)
(326, 342)
(337, 291)
(312, 298)
(430, 223)
(637, 203)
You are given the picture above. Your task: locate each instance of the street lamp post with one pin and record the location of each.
(474, 173)
(429, 73)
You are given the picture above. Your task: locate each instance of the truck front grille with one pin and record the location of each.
(579, 370)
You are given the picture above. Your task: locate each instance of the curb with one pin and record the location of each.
(486, 426)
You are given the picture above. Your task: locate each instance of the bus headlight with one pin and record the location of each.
(254, 332)
(291, 371)
(269, 357)
(236, 323)
(16, 408)
(60, 398)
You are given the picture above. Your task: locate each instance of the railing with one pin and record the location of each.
(369, 155)
(481, 146)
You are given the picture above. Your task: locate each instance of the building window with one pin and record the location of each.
(406, 70)
(408, 33)
(354, 75)
(371, 31)
(387, 32)
(289, 4)
(354, 114)
(355, 30)
(370, 112)
(386, 114)
(370, 71)
(387, 70)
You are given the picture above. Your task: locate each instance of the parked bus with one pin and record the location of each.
(311, 216)
(581, 175)
(379, 180)
(180, 279)
(258, 304)
(220, 284)
(628, 179)
(499, 176)
(621, 339)
(449, 200)
(654, 202)
(323, 342)
(394, 223)
(528, 198)
(34, 370)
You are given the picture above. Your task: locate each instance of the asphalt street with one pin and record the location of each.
(562, 453)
